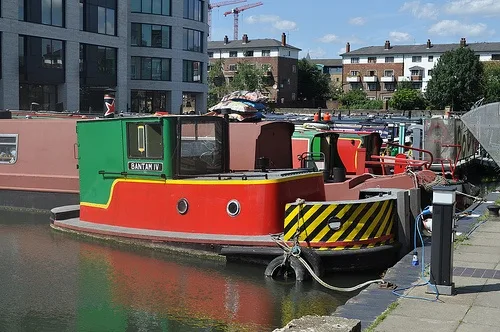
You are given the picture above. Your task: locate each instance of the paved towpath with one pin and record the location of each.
(476, 274)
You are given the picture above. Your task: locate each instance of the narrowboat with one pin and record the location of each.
(167, 179)
(38, 161)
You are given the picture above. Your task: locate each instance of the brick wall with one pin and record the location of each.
(364, 70)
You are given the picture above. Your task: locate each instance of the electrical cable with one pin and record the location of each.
(422, 272)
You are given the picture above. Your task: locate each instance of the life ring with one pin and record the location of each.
(278, 270)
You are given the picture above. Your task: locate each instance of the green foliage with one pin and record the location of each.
(406, 98)
(491, 82)
(313, 84)
(457, 80)
(357, 100)
(248, 77)
(217, 86)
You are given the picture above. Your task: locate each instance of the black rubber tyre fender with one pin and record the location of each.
(276, 268)
(314, 261)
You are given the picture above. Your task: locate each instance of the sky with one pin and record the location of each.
(323, 27)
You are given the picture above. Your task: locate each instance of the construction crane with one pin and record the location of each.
(216, 5)
(236, 12)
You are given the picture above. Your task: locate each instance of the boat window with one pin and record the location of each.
(145, 141)
(8, 148)
(201, 148)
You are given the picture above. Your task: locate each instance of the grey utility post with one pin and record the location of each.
(443, 211)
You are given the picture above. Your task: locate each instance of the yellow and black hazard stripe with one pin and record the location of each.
(360, 225)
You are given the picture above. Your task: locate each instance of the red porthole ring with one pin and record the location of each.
(233, 208)
(182, 206)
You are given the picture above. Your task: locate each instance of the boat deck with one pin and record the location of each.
(252, 175)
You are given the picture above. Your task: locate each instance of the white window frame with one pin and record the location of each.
(13, 160)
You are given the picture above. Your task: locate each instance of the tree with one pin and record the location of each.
(217, 86)
(249, 77)
(491, 82)
(456, 80)
(406, 98)
(313, 84)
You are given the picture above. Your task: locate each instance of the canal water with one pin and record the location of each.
(52, 281)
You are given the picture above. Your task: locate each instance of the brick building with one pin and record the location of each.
(278, 58)
(378, 69)
(332, 67)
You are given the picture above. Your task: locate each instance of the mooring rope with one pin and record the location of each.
(296, 253)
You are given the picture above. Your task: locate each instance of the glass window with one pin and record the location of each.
(165, 7)
(156, 36)
(416, 59)
(165, 36)
(354, 60)
(136, 68)
(192, 71)
(430, 58)
(146, 6)
(145, 141)
(202, 150)
(57, 13)
(156, 7)
(266, 52)
(193, 10)
(233, 54)
(52, 53)
(135, 6)
(110, 21)
(101, 20)
(148, 101)
(51, 11)
(146, 68)
(146, 35)
(46, 12)
(156, 69)
(192, 40)
(8, 148)
(135, 34)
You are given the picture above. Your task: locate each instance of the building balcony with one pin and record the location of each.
(353, 79)
(387, 79)
(416, 78)
(370, 79)
(403, 78)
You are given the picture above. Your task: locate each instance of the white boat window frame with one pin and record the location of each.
(14, 159)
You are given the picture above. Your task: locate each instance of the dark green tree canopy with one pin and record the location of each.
(457, 80)
(313, 84)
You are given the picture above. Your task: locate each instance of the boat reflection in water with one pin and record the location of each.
(156, 292)
(53, 281)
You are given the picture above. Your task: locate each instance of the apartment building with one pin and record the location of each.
(279, 59)
(65, 55)
(378, 69)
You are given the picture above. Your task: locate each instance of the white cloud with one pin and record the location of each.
(285, 25)
(317, 53)
(276, 21)
(456, 28)
(398, 36)
(357, 20)
(254, 19)
(421, 10)
(329, 38)
(468, 7)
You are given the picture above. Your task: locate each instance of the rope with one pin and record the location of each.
(470, 196)
(295, 252)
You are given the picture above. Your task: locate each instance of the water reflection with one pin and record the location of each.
(59, 282)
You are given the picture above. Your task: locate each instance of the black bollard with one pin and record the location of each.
(443, 210)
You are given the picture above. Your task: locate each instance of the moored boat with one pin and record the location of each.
(167, 179)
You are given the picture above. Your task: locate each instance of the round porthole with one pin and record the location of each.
(182, 206)
(233, 208)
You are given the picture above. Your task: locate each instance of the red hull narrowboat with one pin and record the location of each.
(168, 180)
